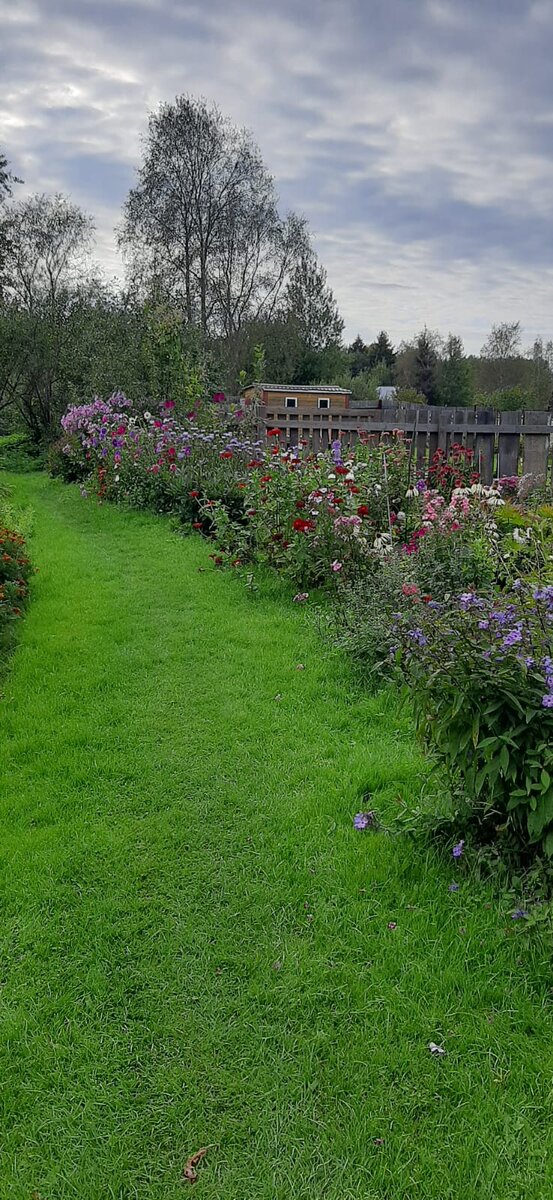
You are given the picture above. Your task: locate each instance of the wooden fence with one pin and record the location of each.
(504, 443)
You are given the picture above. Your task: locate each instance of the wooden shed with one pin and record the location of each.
(290, 396)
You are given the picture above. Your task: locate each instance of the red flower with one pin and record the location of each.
(426, 599)
(218, 397)
(193, 494)
(266, 478)
(342, 471)
(196, 524)
(273, 433)
(303, 526)
(363, 510)
(169, 404)
(354, 490)
(255, 463)
(226, 454)
(121, 429)
(171, 453)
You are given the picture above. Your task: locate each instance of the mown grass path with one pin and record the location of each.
(195, 942)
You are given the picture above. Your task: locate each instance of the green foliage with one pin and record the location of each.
(409, 395)
(481, 674)
(511, 399)
(425, 374)
(455, 376)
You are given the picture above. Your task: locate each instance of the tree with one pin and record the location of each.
(47, 242)
(455, 376)
(426, 362)
(359, 357)
(383, 351)
(202, 224)
(541, 358)
(310, 300)
(6, 181)
(500, 348)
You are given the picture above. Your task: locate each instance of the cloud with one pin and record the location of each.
(417, 138)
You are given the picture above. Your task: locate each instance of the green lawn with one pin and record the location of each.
(195, 941)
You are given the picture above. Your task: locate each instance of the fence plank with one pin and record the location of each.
(535, 447)
(509, 445)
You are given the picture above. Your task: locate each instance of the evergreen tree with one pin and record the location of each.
(383, 351)
(426, 363)
(456, 385)
(359, 357)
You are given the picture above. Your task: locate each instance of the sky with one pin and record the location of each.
(415, 135)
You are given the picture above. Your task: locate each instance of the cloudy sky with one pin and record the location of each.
(416, 135)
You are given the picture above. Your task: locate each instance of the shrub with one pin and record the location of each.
(481, 679)
(15, 571)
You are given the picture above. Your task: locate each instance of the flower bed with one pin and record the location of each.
(388, 545)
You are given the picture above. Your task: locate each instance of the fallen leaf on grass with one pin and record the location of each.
(190, 1174)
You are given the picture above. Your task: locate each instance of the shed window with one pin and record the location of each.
(323, 402)
(291, 402)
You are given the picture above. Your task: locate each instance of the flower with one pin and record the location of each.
(273, 433)
(458, 849)
(336, 566)
(363, 510)
(301, 597)
(392, 924)
(519, 914)
(365, 820)
(453, 887)
(169, 404)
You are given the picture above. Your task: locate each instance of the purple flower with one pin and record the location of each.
(547, 701)
(458, 849)
(365, 820)
(453, 887)
(470, 600)
(420, 485)
(513, 637)
(418, 636)
(519, 914)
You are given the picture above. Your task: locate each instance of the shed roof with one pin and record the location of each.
(291, 388)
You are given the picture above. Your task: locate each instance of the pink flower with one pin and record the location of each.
(336, 566)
